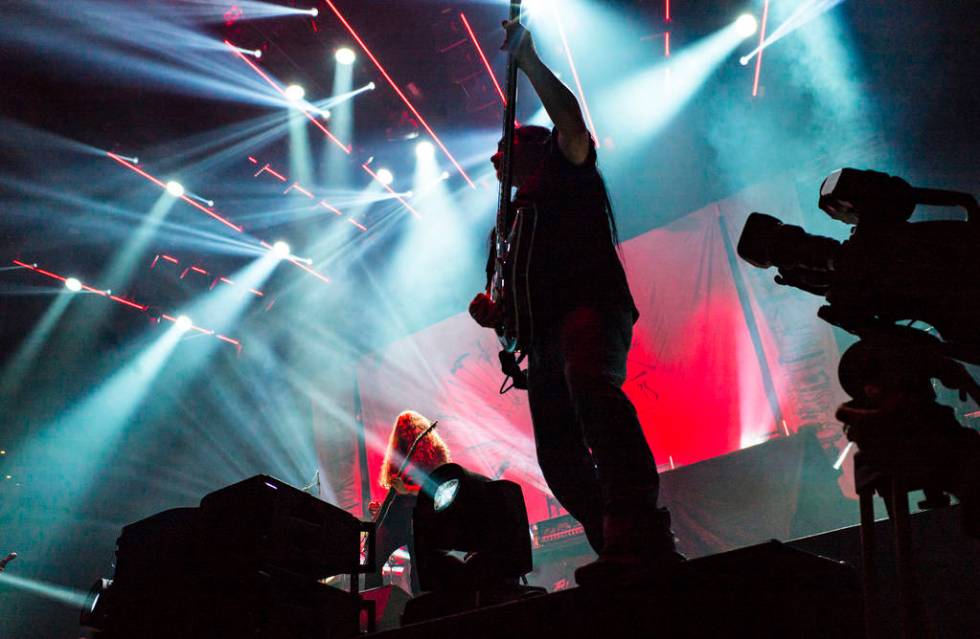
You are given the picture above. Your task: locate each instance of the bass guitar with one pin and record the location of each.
(509, 241)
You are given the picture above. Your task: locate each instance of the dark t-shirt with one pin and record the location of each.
(574, 261)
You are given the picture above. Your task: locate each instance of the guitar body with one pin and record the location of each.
(510, 285)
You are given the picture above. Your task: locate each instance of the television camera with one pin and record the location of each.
(890, 274)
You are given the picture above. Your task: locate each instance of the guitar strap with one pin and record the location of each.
(514, 375)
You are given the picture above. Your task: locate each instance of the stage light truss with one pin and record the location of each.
(132, 167)
(296, 186)
(297, 103)
(398, 91)
(125, 302)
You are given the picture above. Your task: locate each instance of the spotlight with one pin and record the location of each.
(345, 55)
(281, 249)
(314, 12)
(458, 510)
(95, 609)
(746, 25)
(371, 86)
(385, 177)
(295, 92)
(183, 323)
(444, 175)
(425, 150)
(257, 53)
(73, 285)
(175, 189)
(744, 60)
(325, 114)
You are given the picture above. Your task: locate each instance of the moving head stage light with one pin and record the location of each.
(247, 562)
(893, 270)
(461, 512)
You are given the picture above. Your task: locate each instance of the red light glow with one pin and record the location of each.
(268, 169)
(297, 187)
(486, 63)
(667, 44)
(758, 56)
(397, 90)
(330, 208)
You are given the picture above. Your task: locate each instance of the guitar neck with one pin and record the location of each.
(510, 111)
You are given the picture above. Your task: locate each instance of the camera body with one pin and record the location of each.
(889, 269)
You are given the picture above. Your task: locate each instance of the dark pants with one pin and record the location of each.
(393, 533)
(590, 444)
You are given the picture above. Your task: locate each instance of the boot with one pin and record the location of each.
(638, 547)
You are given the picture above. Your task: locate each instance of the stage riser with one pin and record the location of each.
(947, 565)
(763, 591)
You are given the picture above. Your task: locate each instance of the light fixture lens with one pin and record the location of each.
(314, 12)
(295, 92)
(73, 285)
(257, 53)
(183, 323)
(281, 249)
(385, 177)
(345, 55)
(425, 150)
(445, 495)
(746, 25)
(175, 189)
(372, 86)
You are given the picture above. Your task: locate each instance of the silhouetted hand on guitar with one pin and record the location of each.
(373, 509)
(518, 40)
(484, 311)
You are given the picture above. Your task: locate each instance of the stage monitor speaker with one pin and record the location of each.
(262, 522)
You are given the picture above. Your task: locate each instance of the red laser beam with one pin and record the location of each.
(198, 206)
(120, 300)
(282, 92)
(205, 210)
(667, 11)
(578, 82)
(392, 191)
(397, 90)
(667, 44)
(486, 63)
(323, 203)
(758, 57)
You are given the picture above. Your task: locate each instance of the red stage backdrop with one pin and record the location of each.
(700, 380)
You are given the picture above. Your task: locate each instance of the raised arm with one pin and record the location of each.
(560, 103)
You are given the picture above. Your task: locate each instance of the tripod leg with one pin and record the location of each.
(868, 563)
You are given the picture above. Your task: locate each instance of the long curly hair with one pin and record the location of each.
(431, 452)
